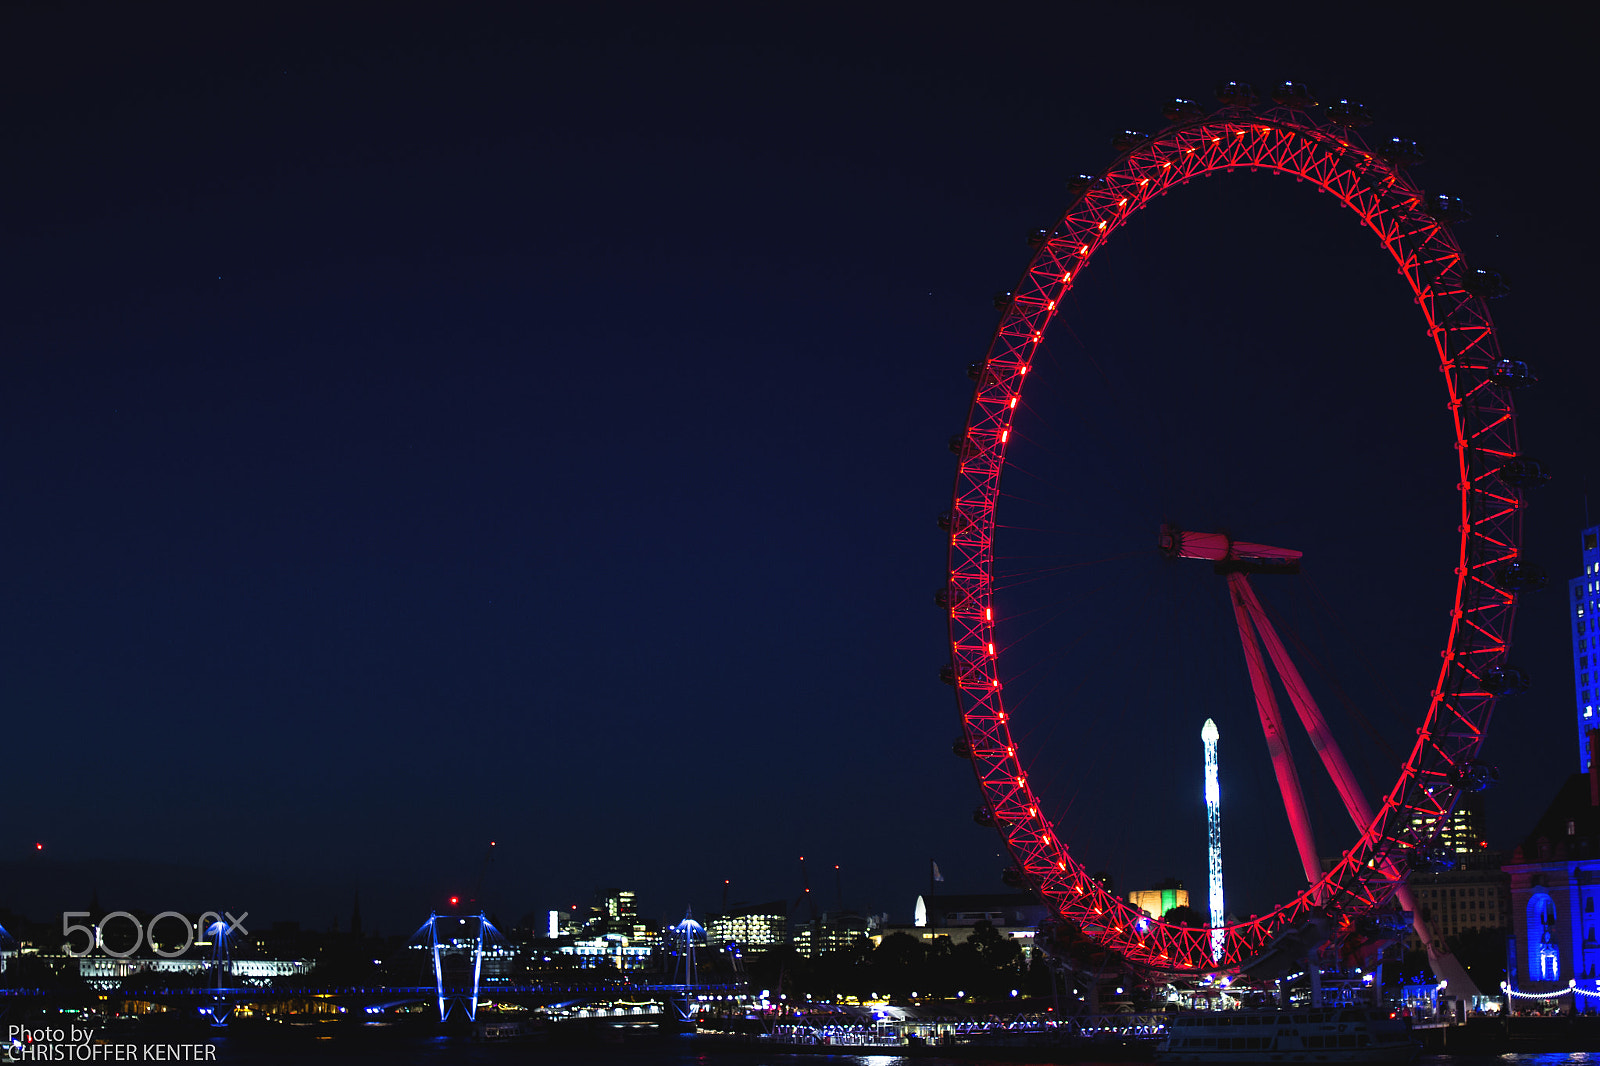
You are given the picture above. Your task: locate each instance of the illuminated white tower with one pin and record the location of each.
(1208, 733)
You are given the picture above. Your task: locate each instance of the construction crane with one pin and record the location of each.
(483, 872)
(805, 890)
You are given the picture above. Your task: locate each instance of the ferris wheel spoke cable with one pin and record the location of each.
(1130, 413)
(1329, 678)
(1075, 492)
(1098, 731)
(1051, 662)
(1087, 427)
(1042, 573)
(1372, 672)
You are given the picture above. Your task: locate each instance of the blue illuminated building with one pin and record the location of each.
(1555, 898)
(1554, 951)
(1584, 598)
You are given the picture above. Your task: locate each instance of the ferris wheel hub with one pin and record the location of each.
(1229, 556)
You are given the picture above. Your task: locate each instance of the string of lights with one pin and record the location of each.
(1572, 989)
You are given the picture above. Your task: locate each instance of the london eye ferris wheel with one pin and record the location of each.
(1394, 832)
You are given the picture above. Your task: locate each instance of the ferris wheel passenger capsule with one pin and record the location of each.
(984, 817)
(1514, 374)
(1236, 94)
(1521, 577)
(1082, 183)
(1002, 301)
(1442, 208)
(1012, 877)
(1506, 681)
(961, 748)
(1485, 284)
(1431, 857)
(1402, 152)
(1128, 140)
(1474, 776)
(1293, 94)
(1524, 472)
(1178, 110)
(1349, 114)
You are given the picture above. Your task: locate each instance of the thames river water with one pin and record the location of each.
(427, 1051)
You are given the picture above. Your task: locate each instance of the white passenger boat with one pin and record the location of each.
(1346, 1034)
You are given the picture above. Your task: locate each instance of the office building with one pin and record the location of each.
(1584, 604)
(753, 926)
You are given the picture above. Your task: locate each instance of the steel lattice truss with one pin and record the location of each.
(1452, 298)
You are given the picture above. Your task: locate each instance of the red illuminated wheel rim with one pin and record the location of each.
(1452, 298)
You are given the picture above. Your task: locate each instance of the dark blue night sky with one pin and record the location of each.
(424, 427)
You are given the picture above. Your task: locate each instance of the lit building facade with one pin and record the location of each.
(1555, 894)
(1584, 604)
(1156, 902)
(612, 948)
(1474, 892)
(619, 913)
(999, 909)
(1463, 900)
(1462, 838)
(754, 927)
(834, 932)
(1015, 915)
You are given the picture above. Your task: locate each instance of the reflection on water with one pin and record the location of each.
(447, 1051)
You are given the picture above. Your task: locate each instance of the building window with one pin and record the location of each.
(1544, 959)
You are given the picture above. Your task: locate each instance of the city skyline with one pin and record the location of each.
(524, 429)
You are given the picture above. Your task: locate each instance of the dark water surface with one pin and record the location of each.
(446, 1049)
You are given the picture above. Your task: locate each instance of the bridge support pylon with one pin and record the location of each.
(456, 953)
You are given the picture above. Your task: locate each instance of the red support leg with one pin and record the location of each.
(1294, 801)
(1440, 958)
